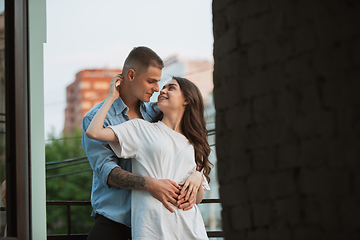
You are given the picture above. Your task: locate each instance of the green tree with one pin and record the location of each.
(67, 181)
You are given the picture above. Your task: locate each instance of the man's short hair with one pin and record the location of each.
(141, 58)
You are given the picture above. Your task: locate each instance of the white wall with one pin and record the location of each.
(37, 37)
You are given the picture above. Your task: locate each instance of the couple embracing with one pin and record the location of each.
(150, 160)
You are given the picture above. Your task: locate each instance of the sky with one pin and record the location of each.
(87, 34)
(2, 5)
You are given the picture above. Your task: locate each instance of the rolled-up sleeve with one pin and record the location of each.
(101, 158)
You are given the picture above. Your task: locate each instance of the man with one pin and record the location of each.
(112, 177)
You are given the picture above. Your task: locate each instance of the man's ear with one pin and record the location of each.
(130, 74)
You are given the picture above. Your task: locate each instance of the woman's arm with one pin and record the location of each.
(95, 129)
(199, 195)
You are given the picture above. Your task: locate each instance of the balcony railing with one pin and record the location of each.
(71, 236)
(68, 204)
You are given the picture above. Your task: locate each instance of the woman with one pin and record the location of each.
(171, 148)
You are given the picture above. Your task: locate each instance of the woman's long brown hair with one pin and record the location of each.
(193, 124)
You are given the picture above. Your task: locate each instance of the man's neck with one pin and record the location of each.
(133, 105)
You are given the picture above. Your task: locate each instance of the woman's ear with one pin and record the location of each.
(130, 74)
(185, 103)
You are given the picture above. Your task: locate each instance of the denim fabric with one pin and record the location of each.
(109, 201)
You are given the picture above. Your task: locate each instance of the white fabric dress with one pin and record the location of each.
(162, 153)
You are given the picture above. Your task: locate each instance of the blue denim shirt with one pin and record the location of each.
(111, 202)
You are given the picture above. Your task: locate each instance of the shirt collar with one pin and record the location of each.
(142, 107)
(120, 107)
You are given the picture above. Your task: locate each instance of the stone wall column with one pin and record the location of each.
(287, 97)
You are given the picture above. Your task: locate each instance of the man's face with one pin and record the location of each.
(145, 84)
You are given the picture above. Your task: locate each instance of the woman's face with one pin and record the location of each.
(171, 98)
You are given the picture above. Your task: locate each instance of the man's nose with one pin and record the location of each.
(156, 87)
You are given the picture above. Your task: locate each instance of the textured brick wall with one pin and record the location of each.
(286, 88)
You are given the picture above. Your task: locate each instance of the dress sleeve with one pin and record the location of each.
(205, 183)
(129, 136)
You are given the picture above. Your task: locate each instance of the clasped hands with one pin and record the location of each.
(183, 195)
(189, 190)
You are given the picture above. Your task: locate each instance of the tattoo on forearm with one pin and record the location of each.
(127, 180)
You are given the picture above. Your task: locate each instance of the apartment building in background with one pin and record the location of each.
(90, 87)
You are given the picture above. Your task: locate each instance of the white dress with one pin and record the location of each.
(161, 153)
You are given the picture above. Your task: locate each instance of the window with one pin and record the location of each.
(14, 119)
(2, 119)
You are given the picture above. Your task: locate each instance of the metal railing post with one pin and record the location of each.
(68, 218)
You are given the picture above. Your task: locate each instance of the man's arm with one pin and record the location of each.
(164, 190)
(123, 179)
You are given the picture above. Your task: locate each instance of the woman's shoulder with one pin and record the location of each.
(136, 122)
(141, 122)
(133, 125)
(143, 127)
